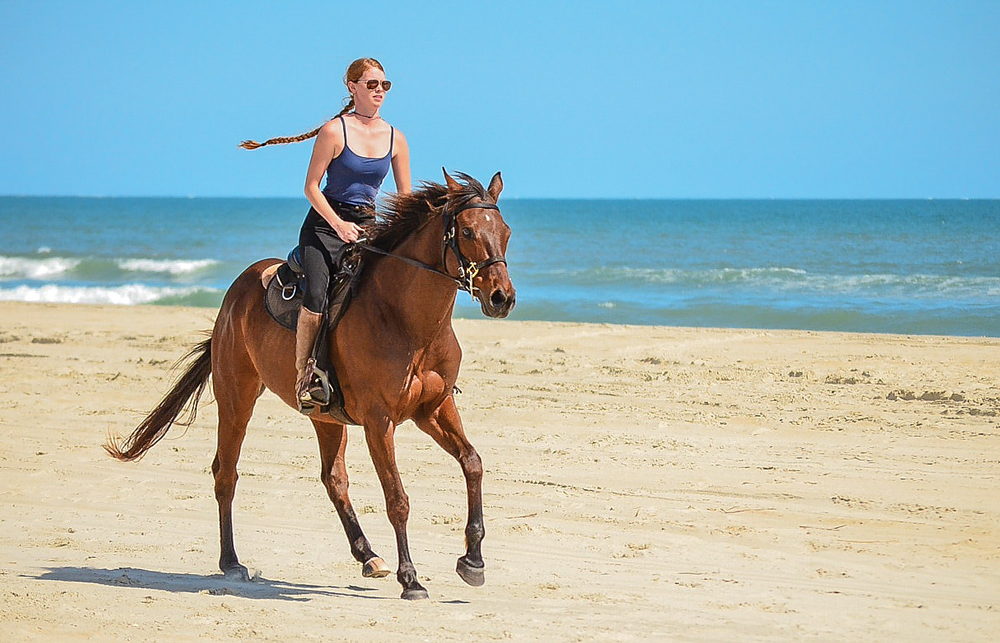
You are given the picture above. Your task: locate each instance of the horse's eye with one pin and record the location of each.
(467, 233)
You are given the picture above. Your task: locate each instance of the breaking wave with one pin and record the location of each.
(98, 267)
(127, 294)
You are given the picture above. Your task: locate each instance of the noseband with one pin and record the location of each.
(467, 270)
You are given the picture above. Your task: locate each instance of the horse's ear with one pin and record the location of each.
(453, 185)
(496, 186)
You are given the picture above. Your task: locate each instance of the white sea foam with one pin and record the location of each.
(25, 268)
(43, 268)
(791, 279)
(714, 275)
(171, 266)
(127, 295)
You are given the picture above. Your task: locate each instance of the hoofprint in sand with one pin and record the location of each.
(640, 481)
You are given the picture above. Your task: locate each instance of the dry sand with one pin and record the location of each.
(640, 482)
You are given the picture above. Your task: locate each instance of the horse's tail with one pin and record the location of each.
(189, 386)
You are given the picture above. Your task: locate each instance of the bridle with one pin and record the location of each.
(467, 270)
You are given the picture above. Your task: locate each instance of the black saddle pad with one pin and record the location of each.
(284, 297)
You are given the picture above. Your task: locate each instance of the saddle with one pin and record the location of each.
(284, 286)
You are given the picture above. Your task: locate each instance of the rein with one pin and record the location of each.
(467, 270)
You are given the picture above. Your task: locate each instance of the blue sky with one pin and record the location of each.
(569, 99)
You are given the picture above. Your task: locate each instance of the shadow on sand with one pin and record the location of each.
(216, 584)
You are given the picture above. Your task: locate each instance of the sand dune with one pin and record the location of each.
(640, 481)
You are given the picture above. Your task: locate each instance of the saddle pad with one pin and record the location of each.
(285, 312)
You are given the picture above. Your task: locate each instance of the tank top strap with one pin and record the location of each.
(392, 136)
(343, 125)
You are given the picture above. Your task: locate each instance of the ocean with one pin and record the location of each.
(886, 266)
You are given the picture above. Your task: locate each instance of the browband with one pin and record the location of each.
(480, 206)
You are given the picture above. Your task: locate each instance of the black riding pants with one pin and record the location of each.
(322, 250)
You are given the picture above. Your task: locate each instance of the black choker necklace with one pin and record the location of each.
(373, 116)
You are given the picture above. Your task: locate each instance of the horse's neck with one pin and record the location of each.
(418, 300)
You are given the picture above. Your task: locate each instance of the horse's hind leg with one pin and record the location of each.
(333, 472)
(445, 425)
(237, 386)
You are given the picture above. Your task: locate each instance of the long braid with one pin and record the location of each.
(354, 72)
(280, 140)
(252, 145)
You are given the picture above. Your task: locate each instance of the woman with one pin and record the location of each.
(354, 149)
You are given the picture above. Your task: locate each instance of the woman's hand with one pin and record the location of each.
(348, 232)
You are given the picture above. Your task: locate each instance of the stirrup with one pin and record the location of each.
(303, 397)
(315, 391)
(319, 387)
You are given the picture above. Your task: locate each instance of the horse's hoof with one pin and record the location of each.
(375, 568)
(415, 594)
(237, 572)
(470, 574)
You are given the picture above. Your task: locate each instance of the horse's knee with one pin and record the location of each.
(399, 508)
(471, 463)
(336, 486)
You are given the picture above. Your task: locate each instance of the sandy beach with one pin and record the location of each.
(641, 482)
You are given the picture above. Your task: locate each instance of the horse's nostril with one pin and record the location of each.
(498, 298)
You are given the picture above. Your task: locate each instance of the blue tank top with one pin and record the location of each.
(356, 179)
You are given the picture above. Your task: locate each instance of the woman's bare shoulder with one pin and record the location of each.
(398, 133)
(332, 130)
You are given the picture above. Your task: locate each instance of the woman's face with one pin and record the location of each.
(368, 99)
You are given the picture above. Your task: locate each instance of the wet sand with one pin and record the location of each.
(640, 482)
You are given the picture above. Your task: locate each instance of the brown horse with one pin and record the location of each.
(394, 350)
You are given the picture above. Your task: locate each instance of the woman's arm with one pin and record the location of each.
(401, 163)
(329, 142)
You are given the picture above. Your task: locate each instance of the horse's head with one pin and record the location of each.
(479, 245)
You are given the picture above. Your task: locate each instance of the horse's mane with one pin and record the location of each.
(403, 214)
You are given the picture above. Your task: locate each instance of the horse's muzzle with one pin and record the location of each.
(499, 303)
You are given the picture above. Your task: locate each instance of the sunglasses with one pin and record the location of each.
(373, 84)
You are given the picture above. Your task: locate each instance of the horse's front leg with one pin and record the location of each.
(333, 472)
(381, 445)
(445, 426)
